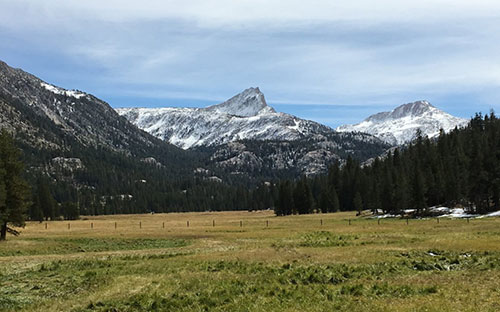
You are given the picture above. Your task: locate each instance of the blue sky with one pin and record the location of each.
(331, 61)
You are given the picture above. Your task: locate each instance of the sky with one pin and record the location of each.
(334, 62)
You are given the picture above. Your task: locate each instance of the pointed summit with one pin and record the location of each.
(250, 102)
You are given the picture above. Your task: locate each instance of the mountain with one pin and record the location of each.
(245, 135)
(400, 125)
(245, 116)
(50, 117)
(85, 151)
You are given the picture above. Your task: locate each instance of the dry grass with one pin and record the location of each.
(295, 263)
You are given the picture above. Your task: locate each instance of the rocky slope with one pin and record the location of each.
(290, 159)
(78, 139)
(47, 116)
(400, 125)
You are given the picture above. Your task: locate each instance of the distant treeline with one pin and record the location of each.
(112, 183)
(458, 168)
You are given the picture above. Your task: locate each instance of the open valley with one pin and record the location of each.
(252, 261)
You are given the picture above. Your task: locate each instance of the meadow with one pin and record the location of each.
(252, 261)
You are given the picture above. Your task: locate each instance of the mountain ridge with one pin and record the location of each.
(244, 134)
(79, 115)
(242, 117)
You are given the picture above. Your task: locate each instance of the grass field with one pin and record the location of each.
(295, 263)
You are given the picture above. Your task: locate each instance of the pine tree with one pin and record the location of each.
(36, 213)
(335, 205)
(45, 200)
(284, 203)
(357, 203)
(70, 211)
(302, 197)
(324, 202)
(419, 200)
(14, 191)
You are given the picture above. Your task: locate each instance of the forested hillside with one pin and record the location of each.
(81, 157)
(461, 168)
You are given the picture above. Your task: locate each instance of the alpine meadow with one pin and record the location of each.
(249, 156)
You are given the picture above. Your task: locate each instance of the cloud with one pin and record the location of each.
(235, 13)
(332, 53)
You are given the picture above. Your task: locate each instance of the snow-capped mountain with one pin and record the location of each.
(245, 135)
(400, 125)
(245, 116)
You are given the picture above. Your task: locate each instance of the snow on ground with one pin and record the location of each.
(494, 214)
(385, 216)
(440, 212)
(491, 214)
(445, 212)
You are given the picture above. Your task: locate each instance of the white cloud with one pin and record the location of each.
(323, 52)
(248, 12)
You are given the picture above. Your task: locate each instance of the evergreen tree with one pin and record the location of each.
(419, 200)
(45, 200)
(302, 197)
(286, 198)
(335, 205)
(14, 191)
(70, 211)
(357, 203)
(36, 213)
(324, 202)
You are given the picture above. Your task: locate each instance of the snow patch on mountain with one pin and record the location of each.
(61, 91)
(400, 125)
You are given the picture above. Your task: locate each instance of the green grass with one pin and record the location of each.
(295, 264)
(44, 246)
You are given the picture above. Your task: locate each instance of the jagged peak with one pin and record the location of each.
(412, 109)
(417, 108)
(250, 102)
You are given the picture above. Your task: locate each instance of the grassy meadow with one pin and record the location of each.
(252, 261)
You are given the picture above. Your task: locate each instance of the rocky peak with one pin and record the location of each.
(250, 102)
(414, 109)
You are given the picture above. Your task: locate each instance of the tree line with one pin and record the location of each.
(460, 168)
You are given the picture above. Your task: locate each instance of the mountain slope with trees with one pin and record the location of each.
(83, 158)
(77, 149)
(460, 168)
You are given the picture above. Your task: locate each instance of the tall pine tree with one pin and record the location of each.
(14, 191)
